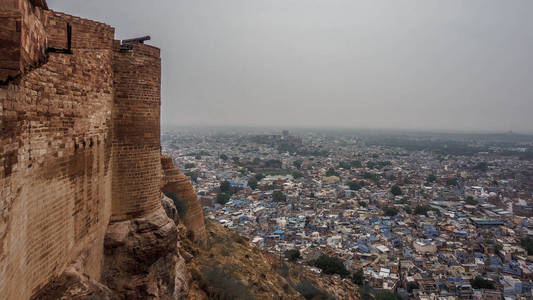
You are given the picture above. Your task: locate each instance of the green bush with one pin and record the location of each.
(224, 186)
(309, 291)
(431, 178)
(470, 200)
(452, 181)
(482, 283)
(387, 295)
(223, 198)
(278, 196)
(330, 265)
(396, 190)
(220, 283)
(192, 175)
(252, 183)
(423, 210)
(293, 255)
(390, 211)
(331, 172)
(527, 243)
(355, 185)
(358, 277)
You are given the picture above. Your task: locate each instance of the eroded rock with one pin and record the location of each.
(142, 259)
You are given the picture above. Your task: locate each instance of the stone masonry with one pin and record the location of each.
(79, 148)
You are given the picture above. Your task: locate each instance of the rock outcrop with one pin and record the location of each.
(74, 283)
(142, 259)
(179, 188)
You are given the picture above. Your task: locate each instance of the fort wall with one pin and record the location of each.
(55, 155)
(80, 158)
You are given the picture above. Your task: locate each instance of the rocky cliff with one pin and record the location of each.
(179, 189)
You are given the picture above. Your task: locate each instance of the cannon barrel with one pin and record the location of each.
(136, 40)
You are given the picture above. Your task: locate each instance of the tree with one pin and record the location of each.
(278, 196)
(223, 198)
(224, 157)
(390, 211)
(482, 283)
(258, 177)
(331, 172)
(293, 255)
(297, 175)
(387, 295)
(498, 247)
(224, 186)
(482, 167)
(470, 200)
(431, 178)
(412, 286)
(189, 165)
(396, 190)
(330, 265)
(356, 164)
(252, 183)
(371, 176)
(192, 175)
(363, 204)
(451, 181)
(423, 210)
(358, 277)
(527, 243)
(354, 185)
(273, 163)
(235, 159)
(297, 164)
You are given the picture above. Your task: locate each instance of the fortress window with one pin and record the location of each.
(68, 50)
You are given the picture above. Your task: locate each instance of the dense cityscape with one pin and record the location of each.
(419, 215)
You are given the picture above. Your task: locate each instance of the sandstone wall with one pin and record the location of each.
(55, 160)
(136, 142)
(80, 167)
(22, 37)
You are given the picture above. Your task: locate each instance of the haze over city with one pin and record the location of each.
(432, 65)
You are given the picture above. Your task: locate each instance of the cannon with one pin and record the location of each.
(139, 40)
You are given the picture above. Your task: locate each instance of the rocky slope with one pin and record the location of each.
(230, 267)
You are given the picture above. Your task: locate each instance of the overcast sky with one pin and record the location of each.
(404, 64)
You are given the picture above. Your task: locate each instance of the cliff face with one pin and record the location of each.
(80, 165)
(179, 188)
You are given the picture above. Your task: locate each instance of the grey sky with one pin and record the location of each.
(405, 64)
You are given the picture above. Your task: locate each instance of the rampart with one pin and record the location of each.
(79, 143)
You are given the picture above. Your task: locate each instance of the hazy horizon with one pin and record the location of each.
(448, 65)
